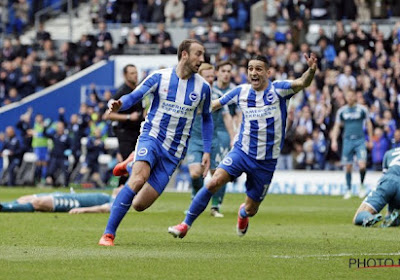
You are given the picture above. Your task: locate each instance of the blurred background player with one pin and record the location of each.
(258, 145)
(387, 192)
(58, 161)
(128, 128)
(221, 138)
(352, 117)
(73, 203)
(39, 145)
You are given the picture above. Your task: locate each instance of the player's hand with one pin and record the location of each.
(311, 60)
(134, 116)
(114, 105)
(205, 163)
(334, 146)
(76, 211)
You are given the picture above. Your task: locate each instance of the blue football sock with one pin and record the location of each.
(199, 203)
(348, 180)
(121, 205)
(16, 207)
(243, 213)
(362, 216)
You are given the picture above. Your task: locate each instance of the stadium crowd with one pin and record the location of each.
(364, 60)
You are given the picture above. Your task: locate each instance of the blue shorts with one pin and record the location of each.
(387, 192)
(41, 153)
(162, 163)
(354, 147)
(259, 172)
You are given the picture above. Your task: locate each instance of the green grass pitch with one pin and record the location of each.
(292, 237)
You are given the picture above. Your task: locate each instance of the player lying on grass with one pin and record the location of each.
(74, 203)
(387, 192)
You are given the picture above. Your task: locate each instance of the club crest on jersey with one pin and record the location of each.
(270, 96)
(227, 161)
(142, 152)
(193, 96)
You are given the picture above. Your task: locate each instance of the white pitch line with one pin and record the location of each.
(334, 255)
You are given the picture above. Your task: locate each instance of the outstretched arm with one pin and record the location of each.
(125, 102)
(307, 77)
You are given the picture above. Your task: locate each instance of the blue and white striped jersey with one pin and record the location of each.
(174, 106)
(264, 118)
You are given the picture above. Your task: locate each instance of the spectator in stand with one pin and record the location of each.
(26, 83)
(167, 48)
(94, 11)
(226, 36)
(346, 80)
(173, 12)
(42, 35)
(103, 34)
(55, 74)
(7, 51)
(205, 10)
(14, 150)
(162, 35)
(144, 35)
(108, 50)
(98, 55)
(155, 9)
(21, 10)
(381, 144)
(12, 97)
(219, 11)
(396, 139)
(108, 11)
(67, 56)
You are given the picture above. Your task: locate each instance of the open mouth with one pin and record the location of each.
(255, 80)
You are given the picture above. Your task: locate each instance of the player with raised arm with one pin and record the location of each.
(177, 95)
(387, 192)
(352, 117)
(258, 144)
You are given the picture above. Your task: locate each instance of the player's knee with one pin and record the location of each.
(136, 181)
(214, 184)
(139, 206)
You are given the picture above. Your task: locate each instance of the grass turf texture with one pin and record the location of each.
(292, 237)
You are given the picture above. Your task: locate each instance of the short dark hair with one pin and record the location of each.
(261, 58)
(185, 46)
(223, 63)
(126, 68)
